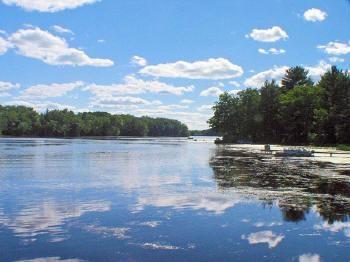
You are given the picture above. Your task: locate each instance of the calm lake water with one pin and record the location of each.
(167, 199)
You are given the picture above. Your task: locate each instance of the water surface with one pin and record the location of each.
(167, 199)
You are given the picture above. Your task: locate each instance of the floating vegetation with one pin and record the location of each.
(294, 184)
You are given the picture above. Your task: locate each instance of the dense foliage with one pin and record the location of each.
(206, 132)
(24, 121)
(297, 112)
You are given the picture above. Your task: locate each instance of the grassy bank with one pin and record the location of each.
(343, 147)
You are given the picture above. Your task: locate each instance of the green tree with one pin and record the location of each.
(335, 86)
(295, 76)
(226, 117)
(250, 115)
(298, 108)
(270, 111)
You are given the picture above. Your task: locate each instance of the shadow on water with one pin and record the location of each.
(295, 185)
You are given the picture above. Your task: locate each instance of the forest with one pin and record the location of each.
(24, 121)
(297, 111)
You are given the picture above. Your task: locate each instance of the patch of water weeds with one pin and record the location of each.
(294, 184)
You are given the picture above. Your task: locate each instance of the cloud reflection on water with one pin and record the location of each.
(270, 238)
(47, 217)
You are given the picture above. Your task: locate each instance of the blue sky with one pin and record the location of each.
(160, 58)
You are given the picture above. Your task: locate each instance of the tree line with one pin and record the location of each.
(205, 132)
(24, 121)
(296, 111)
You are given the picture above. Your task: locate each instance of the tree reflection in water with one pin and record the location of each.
(295, 185)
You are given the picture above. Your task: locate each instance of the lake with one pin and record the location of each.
(168, 199)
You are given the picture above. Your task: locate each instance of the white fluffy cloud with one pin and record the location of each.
(336, 48)
(258, 79)
(273, 51)
(267, 237)
(234, 92)
(315, 15)
(41, 106)
(4, 46)
(186, 101)
(133, 85)
(235, 83)
(172, 107)
(6, 86)
(335, 59)
(62, 30)
(46, 91)
(316, 71)
(51, 49)
(138, 60)
(272, 34)
(212, 91)
(5, 94)
(121, 101)
(213, 68)
(194, 120)
(276, 73)
(48, 5)
(205, 108)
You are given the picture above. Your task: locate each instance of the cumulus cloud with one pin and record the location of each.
(62, 30)
(277, 73)
(51, 49)
(316, 71)
(186, 101)
(5, 94)
(273, 51)
(4, 46)
(309, 258)
(335, 59)
(235, 83)
(234, 92)
(41, 106)
(123, 100)
(258, 79)
(272, 34)
(48, 5)
(205, 108)
(121, 103)
(213, 68)
(336, 48)
(315, 15)
(267, 236)
(133, 85)
(138, 60)
(48, 91)
(6, 86)
(211, 91)
(172, 107)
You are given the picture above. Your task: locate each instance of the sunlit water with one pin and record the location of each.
(167, 199)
